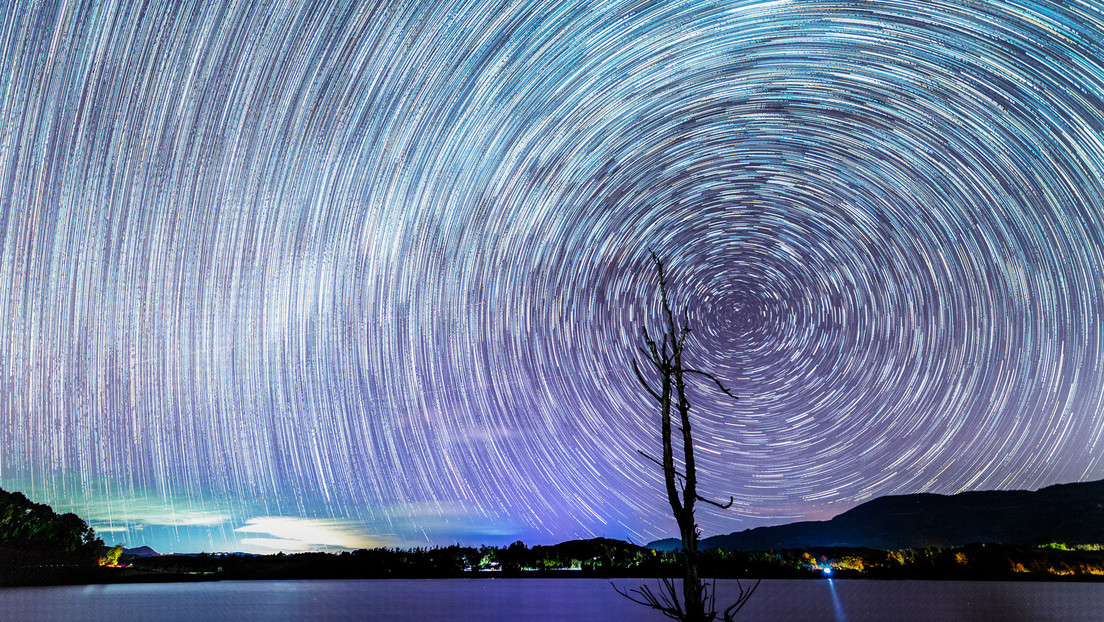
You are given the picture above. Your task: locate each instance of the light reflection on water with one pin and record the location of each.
(537, 600)
(837, 606)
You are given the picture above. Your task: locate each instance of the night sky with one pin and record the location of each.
(280, 276)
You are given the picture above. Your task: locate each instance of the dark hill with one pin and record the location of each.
(141, 551)
(1067, 513)
(584, 549)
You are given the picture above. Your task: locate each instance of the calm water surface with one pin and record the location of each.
(513, 600)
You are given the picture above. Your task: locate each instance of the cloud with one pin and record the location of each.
(114, 529)
(152, 512)
(273, 544)
(303, 534)
(109, 512)
(109, 515)
(418, 523)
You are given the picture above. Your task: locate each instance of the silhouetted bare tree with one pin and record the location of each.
(698, 602)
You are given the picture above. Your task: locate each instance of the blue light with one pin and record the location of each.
(827, 571)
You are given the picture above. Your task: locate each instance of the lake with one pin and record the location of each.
(514, 600)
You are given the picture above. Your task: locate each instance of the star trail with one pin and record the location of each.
(282, 275)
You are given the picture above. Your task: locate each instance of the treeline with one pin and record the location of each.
(971, 562)
(598, 557)
(39, 545)
(612, 558)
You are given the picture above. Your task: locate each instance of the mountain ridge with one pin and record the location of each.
(141, 551)
(1070, 513)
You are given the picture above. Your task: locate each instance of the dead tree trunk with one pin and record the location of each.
(665, 357)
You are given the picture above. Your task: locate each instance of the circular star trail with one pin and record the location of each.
(342, 274)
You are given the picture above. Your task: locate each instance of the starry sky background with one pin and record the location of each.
(282, 276)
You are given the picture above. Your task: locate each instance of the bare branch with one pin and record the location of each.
(723, 506)
(666, 602)
(682, 339)
(646, 597)
(644, 383)
(652, 347)
(648, 356)
(713, 378)
(685, 326)
(658, 463)
(741, 600)
(709, 600)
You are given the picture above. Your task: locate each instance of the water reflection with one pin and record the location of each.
(547, 600)
(837, 606)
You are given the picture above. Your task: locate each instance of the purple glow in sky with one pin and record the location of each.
(280, 276)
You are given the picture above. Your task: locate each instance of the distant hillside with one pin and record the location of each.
(1068, 513)
(602, 550)
(141, 551)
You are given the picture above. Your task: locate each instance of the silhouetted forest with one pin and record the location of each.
(606, 558)
(37, 544)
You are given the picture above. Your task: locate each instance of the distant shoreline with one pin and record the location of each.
(597, 559)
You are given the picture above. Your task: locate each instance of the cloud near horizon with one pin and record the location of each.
(116, 515)
(303, 534)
